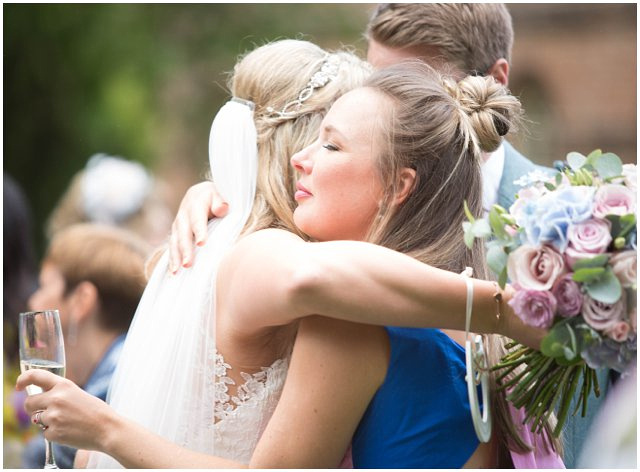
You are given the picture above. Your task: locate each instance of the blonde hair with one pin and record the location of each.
(440, 128)
(470, 36)
(112, 259)
(272, 76)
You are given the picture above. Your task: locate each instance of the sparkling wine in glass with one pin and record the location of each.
(42, 347)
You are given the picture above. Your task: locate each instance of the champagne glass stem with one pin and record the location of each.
(50, 462)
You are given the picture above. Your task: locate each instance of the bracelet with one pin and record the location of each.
(497, 296)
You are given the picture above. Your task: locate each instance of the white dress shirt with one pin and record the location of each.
(491, 176)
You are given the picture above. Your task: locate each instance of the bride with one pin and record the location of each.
(166, 382)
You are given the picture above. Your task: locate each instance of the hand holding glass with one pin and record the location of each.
(42, 347)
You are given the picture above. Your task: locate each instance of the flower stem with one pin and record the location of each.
(566, 400)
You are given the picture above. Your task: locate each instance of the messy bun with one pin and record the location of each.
(491, 110)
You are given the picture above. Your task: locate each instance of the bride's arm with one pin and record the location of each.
(81, 420)
(288, 278)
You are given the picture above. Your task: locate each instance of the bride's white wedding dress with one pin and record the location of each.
(171, 379)
(241, 418)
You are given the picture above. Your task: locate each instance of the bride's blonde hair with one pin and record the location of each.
(272, 76)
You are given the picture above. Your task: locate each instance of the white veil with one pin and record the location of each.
(165, 377)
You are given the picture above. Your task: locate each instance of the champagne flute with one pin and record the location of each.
(42, 347)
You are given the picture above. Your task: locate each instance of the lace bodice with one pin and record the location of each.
(240, 419)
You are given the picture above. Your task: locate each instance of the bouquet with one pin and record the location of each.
(568, 247)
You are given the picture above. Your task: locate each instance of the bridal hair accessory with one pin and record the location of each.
(113, 188)
(477, 371)
(328, 71)
(249, 103)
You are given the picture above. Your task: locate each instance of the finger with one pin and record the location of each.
(37, 418)
(184, 237)
(219, 207)
(41, 378)
(199, 217)
(174, 250)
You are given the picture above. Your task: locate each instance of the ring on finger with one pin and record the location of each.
(37, 419)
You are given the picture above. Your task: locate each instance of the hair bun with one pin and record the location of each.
(492, 110)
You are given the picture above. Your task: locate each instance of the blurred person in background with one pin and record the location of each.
(94, 275)
(20, 279)
(117, 192)
(613, 440)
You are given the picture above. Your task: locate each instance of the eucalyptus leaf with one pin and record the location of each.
(558, 178)
(606, 289)
(467, 212)
(502, 278)
(576, 160)
(468, 234)
(549, 186)
(597, 261)
(496, 259)
(608, 165)
(560, 342)
(481, 228)
(593, 156)
(589, 274)
(497, 224)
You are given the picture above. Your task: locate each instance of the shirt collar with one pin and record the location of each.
(491, 176)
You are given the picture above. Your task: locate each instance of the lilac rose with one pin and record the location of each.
(613, 199)
(624, 265)
(535, 268)
(603, 316)
(587, 239)
(535, 308)
(568, 295)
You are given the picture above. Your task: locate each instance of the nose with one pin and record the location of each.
(301, 160)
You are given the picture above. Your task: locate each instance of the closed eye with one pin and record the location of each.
(330, 147)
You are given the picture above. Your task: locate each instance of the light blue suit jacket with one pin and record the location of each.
(576, 427)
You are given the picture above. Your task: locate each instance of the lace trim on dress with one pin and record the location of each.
(253, 390)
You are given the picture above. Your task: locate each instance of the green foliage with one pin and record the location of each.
(142, 81)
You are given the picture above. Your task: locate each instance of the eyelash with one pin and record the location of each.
(330, 147)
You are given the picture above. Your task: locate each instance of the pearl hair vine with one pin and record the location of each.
(328, 71)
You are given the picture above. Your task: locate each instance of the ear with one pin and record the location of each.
(500, 71)
(406, 182)
(83, 301)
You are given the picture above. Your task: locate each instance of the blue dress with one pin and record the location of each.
(420, 416)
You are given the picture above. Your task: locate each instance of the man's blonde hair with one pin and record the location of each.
(469, 36)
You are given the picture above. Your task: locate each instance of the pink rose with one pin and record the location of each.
(602, 316)
(587, 239)
(613, 199)
(534, 308)
(568, 295)
(624, 265)
(619, 332)
(535, 268)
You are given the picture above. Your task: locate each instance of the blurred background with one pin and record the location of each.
(144, 82)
